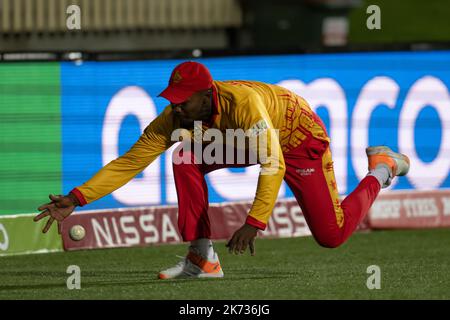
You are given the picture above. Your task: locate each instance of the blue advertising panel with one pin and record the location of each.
(395, 99)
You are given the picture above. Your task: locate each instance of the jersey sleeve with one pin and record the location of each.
(155, 139)
(252, 117)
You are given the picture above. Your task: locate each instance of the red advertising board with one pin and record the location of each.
(156, 225)
(412, 209)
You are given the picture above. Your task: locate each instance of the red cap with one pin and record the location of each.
(186, 79)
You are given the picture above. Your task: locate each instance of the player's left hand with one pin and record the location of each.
(243, 238)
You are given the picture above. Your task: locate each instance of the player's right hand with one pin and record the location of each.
(58, 209)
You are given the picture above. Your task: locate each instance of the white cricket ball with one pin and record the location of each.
(77, 232)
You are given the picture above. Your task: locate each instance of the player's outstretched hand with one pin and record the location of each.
(58, 209)
(243, 238)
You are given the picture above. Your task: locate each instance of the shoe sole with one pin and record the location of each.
(187, 276)
(210, 275)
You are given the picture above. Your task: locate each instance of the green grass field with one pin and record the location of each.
(414, 265)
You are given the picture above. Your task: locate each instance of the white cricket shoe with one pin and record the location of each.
(194, 266)
(396, 163)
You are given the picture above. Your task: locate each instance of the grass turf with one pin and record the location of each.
(414, 265)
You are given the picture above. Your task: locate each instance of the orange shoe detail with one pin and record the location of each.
(378, 159)
(397, 163)
(205, 265)
(162, 276)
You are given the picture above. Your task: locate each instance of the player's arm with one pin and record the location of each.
(154, 140)
(264, 142)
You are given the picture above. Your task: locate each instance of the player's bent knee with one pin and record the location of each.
(330, 243)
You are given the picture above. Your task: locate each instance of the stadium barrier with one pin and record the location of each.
(158, 225)
(19, 234)
(407, 209)
(153, 225)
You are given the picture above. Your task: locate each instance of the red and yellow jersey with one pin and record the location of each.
(239, 105)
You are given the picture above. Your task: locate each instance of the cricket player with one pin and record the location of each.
(299, 153)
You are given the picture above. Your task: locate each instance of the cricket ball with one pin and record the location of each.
(77, 232)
